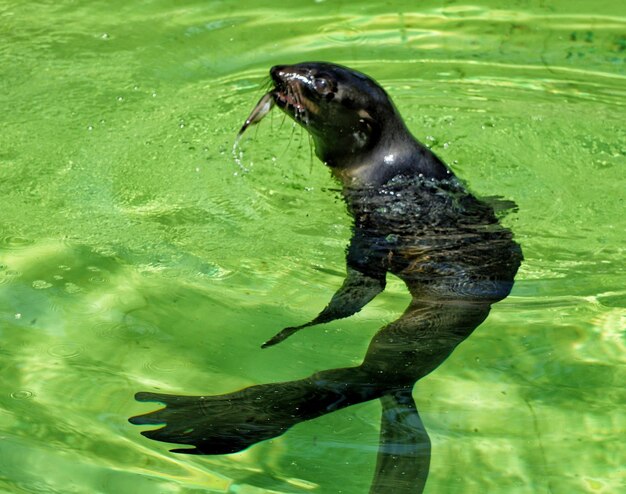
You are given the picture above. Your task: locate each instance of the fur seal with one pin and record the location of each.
(412, 217)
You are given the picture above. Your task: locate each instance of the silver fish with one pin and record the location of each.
(262, 108)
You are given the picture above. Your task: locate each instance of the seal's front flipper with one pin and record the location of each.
(357, 290)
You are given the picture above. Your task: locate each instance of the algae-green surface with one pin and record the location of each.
(136, 252)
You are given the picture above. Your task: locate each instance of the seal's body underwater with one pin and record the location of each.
(413, 218)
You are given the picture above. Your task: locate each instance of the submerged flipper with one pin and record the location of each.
(357, 290)
(403, 458)
(214, 425)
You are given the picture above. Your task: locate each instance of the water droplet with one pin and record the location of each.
(41, 284)
(72, 288)
(238, 155)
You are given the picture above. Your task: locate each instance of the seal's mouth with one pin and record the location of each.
(289, 95)
(293, 92)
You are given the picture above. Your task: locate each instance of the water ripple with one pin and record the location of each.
(65, 350)
(13, 242)
(124, 331)
(22, 394)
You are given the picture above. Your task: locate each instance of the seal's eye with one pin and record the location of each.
(322, 85)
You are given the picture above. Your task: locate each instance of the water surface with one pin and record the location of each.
(137, 254)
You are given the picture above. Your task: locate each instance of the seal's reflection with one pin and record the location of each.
(413, 218)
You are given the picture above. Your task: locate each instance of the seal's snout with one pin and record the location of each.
(277, 72)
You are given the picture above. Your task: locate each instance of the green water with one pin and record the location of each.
(136, 254)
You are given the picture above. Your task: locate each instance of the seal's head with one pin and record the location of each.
(355, 127)
(346, 112)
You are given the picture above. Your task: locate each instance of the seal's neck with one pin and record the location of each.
(395, 153)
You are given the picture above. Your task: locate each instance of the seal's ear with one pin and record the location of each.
(368, 127)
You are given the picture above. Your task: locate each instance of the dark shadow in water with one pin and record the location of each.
(418, 222)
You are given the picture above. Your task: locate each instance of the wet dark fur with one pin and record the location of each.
(413, 218)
